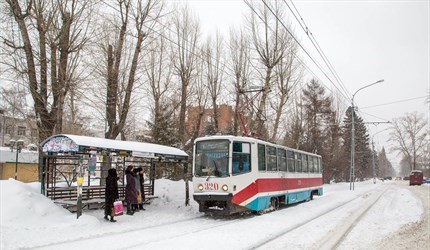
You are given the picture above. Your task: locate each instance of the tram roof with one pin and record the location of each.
(246, 138)
(65, 143)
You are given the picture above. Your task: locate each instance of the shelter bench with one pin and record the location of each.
(93, 197)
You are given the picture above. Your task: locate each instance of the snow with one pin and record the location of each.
(30, 220)
(25, 156)
(72, 143)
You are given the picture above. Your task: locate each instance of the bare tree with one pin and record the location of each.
(270, 40)
(214, 72)
(409, 132)
(185, 50)
(200, 100)
(288, 75)
(159, 71)
(51, 35)
(294, 136)
(118, 81)
(240, 58)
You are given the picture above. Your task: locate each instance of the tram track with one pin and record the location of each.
(334, 237)
(184, 224)
(110, 234)
(150, 235)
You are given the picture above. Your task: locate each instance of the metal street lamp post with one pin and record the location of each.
(352, 170)
(17, 145)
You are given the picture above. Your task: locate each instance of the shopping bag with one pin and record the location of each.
(118, 208)
(139, 198)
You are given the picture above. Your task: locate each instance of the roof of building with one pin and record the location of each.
(65, 143)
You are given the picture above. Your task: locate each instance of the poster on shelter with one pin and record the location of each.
(60, 144)
(92, 162)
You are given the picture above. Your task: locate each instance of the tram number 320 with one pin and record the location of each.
(211, 186)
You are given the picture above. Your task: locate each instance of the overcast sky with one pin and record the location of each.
(365, 41)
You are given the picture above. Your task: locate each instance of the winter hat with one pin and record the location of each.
(112, 172)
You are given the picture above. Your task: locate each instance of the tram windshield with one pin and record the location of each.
(211, 158)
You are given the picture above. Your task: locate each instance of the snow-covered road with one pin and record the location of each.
(335, 219)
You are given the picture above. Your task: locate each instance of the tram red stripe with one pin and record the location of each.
(273, 185)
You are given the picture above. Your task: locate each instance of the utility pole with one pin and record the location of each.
(373, 162)
(373, 149)
(352, 170)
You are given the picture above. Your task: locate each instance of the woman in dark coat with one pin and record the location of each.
(142, 187)
(130, 189)
(111, 193)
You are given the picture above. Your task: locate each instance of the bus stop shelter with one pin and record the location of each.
(73, 167)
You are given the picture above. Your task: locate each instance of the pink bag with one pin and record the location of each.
(118, 208)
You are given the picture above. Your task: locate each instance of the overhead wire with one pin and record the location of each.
(319, 49)
(301, 46)
(308, 32)
(395, 102)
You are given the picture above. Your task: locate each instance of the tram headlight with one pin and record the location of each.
(224, 188)
(200, 187)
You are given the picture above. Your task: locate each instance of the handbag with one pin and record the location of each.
(118, 208)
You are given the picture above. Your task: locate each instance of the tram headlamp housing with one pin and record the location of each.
(224, 188)
(200, 187)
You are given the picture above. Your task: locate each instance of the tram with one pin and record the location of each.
(233, 174)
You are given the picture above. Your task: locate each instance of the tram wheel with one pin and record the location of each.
(274, 201)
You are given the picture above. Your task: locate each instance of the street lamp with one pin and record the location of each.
(352, 171)
(17, 145)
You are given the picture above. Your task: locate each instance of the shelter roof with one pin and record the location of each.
(65, 143)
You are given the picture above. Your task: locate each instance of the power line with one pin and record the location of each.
(395, 102)
(319, 49)
(301, 46)
(317, 46)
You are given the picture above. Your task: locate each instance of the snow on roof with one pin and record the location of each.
(25, 156)
(77, 143)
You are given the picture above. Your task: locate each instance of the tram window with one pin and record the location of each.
(211, 158)
(282, 159)
(298, 162)
(290, 161)
(241, 157)
(271, 159)
(305, 163)
(315, 168)
(261, 157)
(315, 165)
(311, 164)
(319, 165)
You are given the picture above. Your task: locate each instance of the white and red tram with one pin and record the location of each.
(234, 174)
